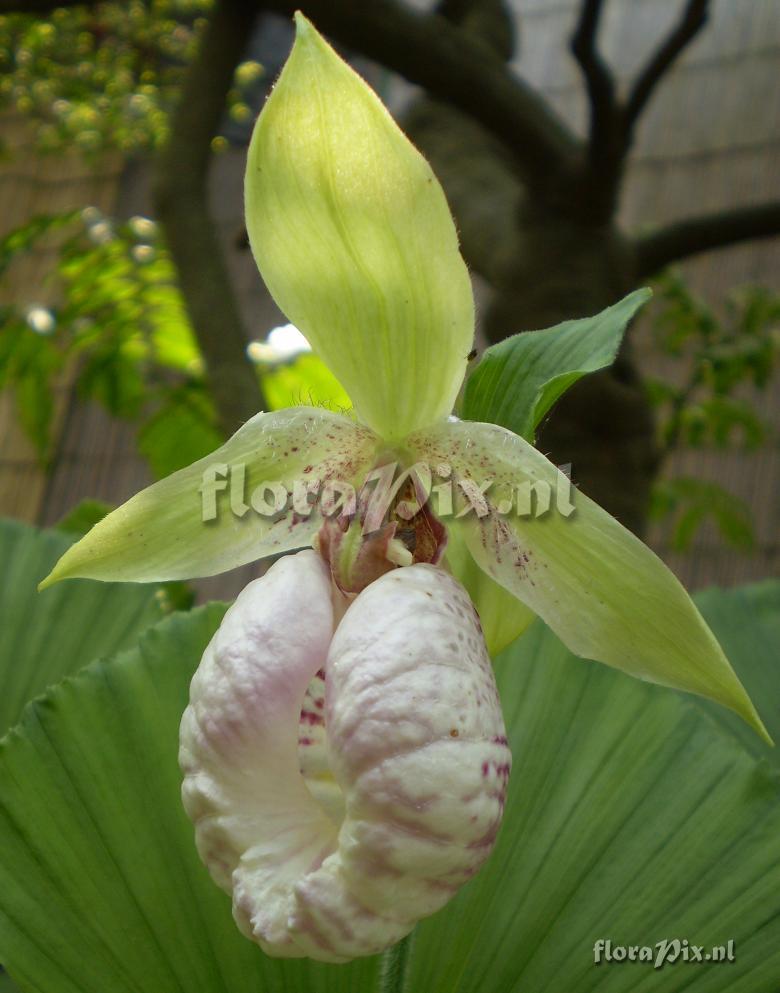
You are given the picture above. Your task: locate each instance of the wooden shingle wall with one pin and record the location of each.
(710, 140)
(32, 185)
(96, 456)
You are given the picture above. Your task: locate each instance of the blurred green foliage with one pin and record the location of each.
(94, 78)
(120, 324)
(303, 380)
(727, 360)
(120, 328)
(83, 517)
(689, 502)
(105, 75)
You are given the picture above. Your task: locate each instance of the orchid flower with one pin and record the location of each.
(338, 854)
(344, 751)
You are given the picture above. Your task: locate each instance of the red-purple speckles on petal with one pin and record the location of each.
(412, 771)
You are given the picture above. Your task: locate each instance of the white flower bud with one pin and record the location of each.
(338, 819)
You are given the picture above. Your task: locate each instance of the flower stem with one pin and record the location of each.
(395, 962)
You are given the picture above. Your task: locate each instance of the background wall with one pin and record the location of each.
(709, 140)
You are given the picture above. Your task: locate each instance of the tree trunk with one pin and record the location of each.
(546, 267)
(604, 425)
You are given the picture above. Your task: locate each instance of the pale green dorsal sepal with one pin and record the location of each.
(353, 237)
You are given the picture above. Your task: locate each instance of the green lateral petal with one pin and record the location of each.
(160, 533)
(604, 593)
(354, 239)
(503, 616)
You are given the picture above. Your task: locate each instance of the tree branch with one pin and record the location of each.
(702, 234)
(612, 122)
(181, 201)
(430, 51)
(598, 79)
(692, 21)
(489, 21)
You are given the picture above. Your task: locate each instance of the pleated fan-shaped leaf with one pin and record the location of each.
(100, 884)
(746, 621)
(45, 636)
(632, 816)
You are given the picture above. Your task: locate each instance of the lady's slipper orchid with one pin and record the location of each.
(416, 746)
(355, 241)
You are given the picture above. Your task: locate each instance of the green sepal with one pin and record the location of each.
(354, 239)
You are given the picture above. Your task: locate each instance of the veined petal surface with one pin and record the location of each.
(354, 239)
(606, 595)
(161, 533)
(415, 742)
